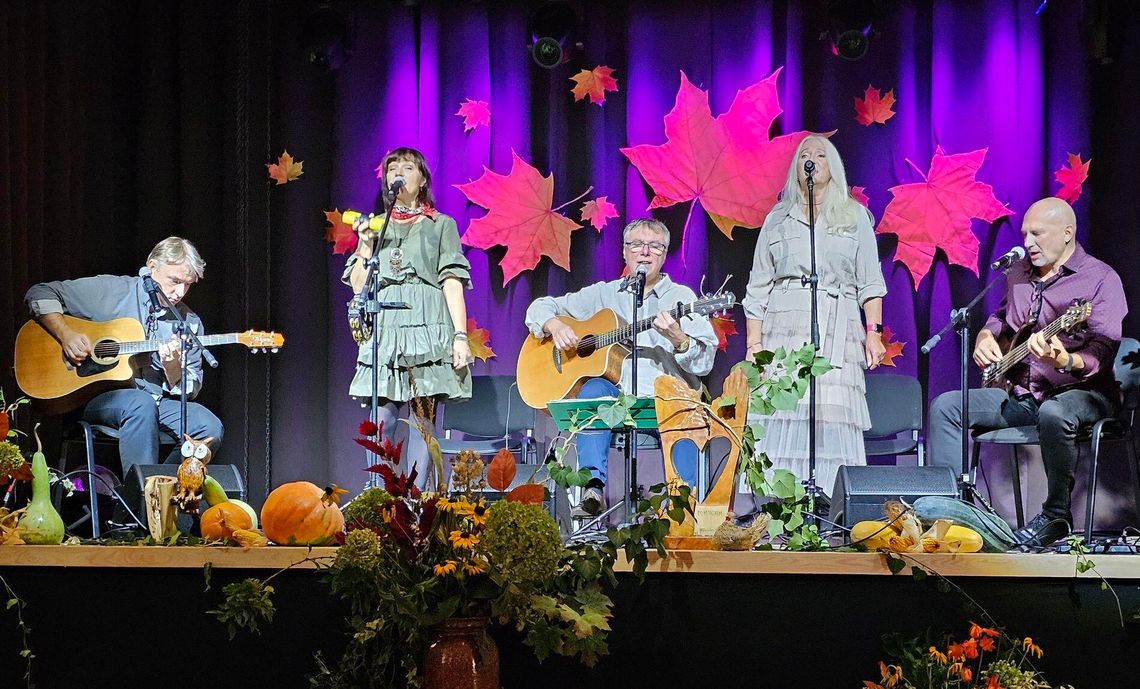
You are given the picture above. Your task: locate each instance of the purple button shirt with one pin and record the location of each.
(1081, 277)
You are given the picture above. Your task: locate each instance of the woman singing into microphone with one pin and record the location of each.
(778, 308)
(423, 349)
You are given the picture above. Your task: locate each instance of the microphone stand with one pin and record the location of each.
(372, 308)
(960, 320)
(631, 433)
(813, 491)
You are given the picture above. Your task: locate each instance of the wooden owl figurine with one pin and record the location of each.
(192, 472)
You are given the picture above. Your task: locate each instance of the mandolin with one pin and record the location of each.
(547, 373)
(45, 374)
(994, 374)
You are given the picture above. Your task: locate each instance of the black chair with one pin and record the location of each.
(495, 417)
(1119, 427)
(895, 403)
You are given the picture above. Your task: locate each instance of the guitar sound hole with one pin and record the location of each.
(586, 347)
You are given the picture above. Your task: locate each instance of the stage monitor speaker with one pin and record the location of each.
(132, 491)
(860, 491)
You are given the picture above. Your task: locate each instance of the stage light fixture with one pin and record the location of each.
(552, 27)
(326, 41)
(851, 24)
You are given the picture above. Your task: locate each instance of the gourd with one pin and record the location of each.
(213, 492)
(876, 534)
(218, 522)
(41, 524)
(298, 513)
(996, 535)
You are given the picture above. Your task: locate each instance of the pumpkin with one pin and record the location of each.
(218, 522)
(296, 514)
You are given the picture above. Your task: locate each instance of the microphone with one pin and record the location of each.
(1012, 256)
(150, 286)
(809, 167)
(374, 223)
(397, 184)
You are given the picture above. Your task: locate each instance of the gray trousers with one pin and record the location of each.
(1059, 419)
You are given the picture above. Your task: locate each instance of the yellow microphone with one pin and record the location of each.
(374, 223)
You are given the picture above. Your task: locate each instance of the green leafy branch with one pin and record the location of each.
(14, 602)
(1084, 564)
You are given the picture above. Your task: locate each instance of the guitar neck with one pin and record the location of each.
(141, 346)
(628, 332)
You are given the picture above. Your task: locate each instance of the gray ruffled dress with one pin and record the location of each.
(415, 344)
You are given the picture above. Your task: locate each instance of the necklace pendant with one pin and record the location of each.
(396, 259)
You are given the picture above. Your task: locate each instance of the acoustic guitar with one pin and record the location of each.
(547, 373)
(45, 374)
(994, 375)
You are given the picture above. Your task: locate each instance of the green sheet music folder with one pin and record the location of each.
(565, 412)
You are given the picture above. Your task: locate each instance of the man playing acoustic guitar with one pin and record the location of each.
(683, 348)
(141, 412)
(1067, 381)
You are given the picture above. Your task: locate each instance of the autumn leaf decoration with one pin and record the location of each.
(474, 114)
(285, 170)
(477, 341)
(519, 217)
(873, 107)
(501, 470)
(894, 349)
(723, 325)
(1072, 177)
(936, 213)
(860, 195)
(728, 163)
(340, 233)
(598, 211)
(594, 83)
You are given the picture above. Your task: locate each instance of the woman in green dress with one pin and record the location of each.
(423, 352)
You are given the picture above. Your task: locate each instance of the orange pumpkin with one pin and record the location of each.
(295, 514)
(218, 522)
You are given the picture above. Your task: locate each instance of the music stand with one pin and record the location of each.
(569, 412)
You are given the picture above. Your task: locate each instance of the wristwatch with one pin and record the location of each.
(875, 328)
(1068, 367)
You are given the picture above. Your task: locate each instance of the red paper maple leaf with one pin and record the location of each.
(874, 107)
(343, 239)
(859, 194)
(528, 494)
(474, 113)
(1071, 177)
(894, 349)
(477, 339)
(285, 170)
(723, 326)
(936, 213)
(594, 83)
(518, 217)
(597, 211)
(727, 162)
(501, 470)
(3, 425)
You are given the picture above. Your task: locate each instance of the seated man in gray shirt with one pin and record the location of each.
(684, 348)
(152, 405)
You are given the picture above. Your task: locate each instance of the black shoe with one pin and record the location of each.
(1041, 532)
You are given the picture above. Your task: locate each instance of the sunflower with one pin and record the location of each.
(463, 539)
(445, 568)
(474, 567)
(476, 511)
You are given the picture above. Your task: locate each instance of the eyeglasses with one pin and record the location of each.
(654, 247)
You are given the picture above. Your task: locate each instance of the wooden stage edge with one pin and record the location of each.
(1006, 565)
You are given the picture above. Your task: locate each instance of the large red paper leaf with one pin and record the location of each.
(598, 211)
(873, 107)
(3, 425)
(340, 233)
(474, 114)
(477, 341)
(937, 212)
(894, 349)
(285, 170)
(519, 217)
(501, 470)
(860, 195)
(727, 162)
(1072, 177)
(594, 83)
(528, 494)
(723, 326)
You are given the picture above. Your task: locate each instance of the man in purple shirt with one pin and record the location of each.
(1066, 383)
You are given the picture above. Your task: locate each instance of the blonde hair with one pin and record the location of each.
(173, 250)
(840, 211)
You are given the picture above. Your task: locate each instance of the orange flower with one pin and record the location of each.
(474, 567)
(868, 684)
(970, 646)
(1031, 648)
(937, 655)
(994, 683)
(967, 674)
(977, 631)
(444, 569)
(463, 539)
(986, 644)
(891, 674)
(955, 669)
(956, 652)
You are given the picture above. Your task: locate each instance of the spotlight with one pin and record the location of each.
(552, 27)
(326, 41)
(850, 26)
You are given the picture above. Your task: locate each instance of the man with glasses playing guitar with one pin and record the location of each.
(683, 347)
(1059, 380)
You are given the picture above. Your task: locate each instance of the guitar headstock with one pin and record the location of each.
(259, 339)
(1076, 314)
(710, 304)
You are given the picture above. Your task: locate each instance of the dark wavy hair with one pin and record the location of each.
(406, 153)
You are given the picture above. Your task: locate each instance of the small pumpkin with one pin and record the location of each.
(298, 514)
(218, 522)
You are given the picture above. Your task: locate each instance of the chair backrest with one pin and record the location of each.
(1127, 370)
(895, 403)
(494, 410)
